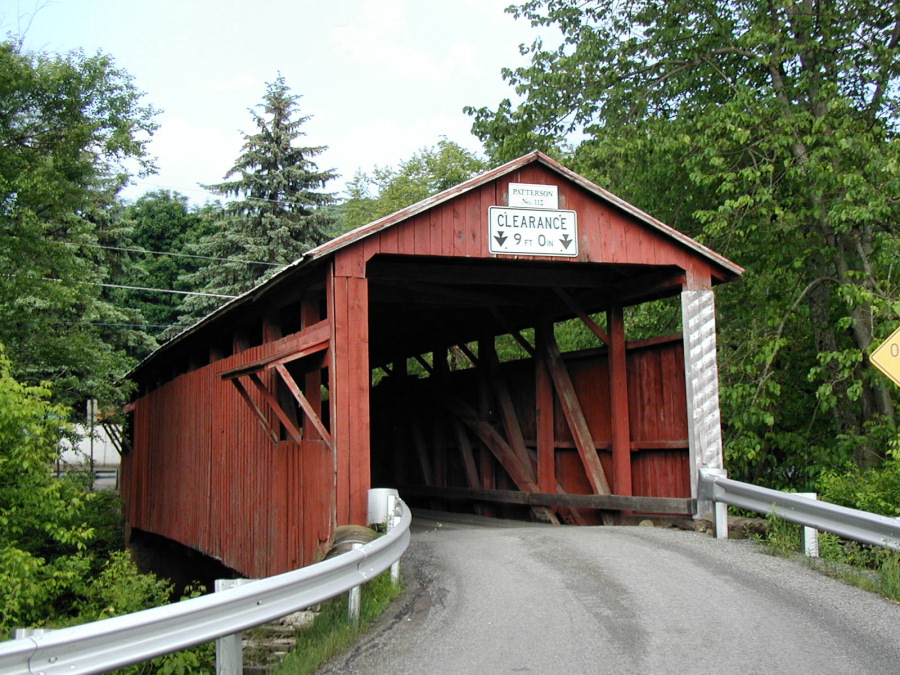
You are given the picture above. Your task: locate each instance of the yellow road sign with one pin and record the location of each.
(887, 357)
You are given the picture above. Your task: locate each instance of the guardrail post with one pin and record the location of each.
(229, 652)
(391, 524)
(810, 534)
(706, 496)
(721, 519)
(355, 599)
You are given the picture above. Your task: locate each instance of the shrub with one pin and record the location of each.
(876, 490)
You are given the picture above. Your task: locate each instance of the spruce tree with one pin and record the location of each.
(278, 211)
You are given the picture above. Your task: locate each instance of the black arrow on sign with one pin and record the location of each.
(500, 238)
(565, 241)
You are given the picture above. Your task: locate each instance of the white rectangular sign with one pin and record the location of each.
(528, 196)
(532, 231)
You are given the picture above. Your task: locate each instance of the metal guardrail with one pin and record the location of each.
(123, 640)
(862, 526)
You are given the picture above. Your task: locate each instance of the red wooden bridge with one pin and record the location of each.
(420, 351)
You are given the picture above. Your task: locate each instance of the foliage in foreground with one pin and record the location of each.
(872, 568)
(876, 490)
(59, 562)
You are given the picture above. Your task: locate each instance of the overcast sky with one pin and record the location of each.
(382, 79)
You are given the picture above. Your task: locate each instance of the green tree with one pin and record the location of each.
(279, 211)
(766, 129)
(68, 126)
(162, 229)
(388, 189)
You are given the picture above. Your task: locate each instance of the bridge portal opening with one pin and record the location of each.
(477, 404)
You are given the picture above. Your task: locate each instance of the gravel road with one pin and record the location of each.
(500, 597)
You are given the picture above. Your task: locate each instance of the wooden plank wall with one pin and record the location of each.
(204, 472)
(657, 411)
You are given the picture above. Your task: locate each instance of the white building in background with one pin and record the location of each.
(95, 447)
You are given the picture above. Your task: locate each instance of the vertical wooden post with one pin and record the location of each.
(271, 327)
(620, 424)
(485, 346)
(546, 441)
(239, 342)
(350, 382)
(309, 314)
(215, 353)
(439, 431)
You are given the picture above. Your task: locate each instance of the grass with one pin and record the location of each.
(871, 568)
(333, 631)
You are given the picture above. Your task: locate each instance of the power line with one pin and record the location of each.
(144, 288)
(160, 290)
(177, 255)
(122, 325)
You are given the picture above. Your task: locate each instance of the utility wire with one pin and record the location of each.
(144, 288)
(160, 290)
(177, 255)
(122, 325)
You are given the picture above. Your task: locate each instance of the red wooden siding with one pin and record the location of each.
(205, 473)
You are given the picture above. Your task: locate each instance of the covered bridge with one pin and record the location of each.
(420, 352)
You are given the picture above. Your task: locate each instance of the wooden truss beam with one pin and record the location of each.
(661, 505)
(305, 405)
(309, 341)
(519, 469)
(114, 431)
(508, 417)
(468, 457)
(271, 400)
(255, 408)
(293, 431)
(573, 306)
(573, 412)
(422, 455)
(517, 336)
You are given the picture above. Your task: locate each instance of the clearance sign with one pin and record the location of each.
(532, 231)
